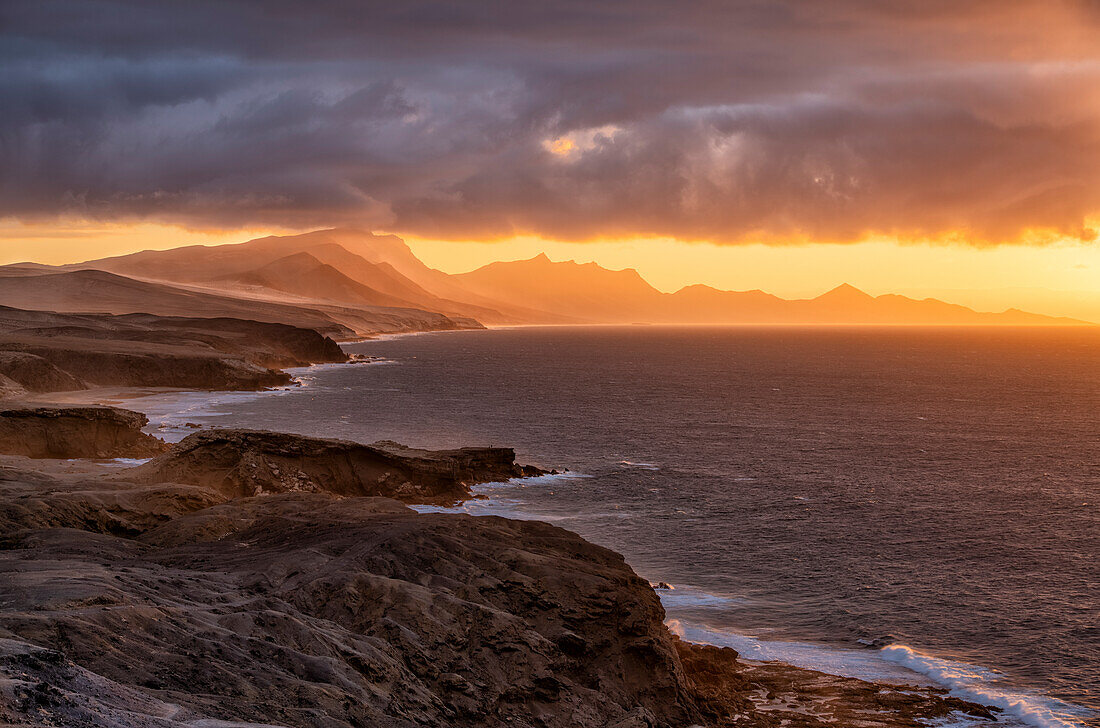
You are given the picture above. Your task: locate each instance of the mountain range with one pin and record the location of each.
(348, 283)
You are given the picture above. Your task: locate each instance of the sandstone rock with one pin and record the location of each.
(76, 432)
(36, 501)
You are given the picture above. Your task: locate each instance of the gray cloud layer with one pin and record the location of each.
(699, 119)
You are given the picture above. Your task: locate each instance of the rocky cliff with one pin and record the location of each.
(254, 462)
(306, 609)
(76, 432)
(151, 605)
(41, 351)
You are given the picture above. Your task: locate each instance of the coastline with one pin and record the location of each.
(900, 666)
(172, 407)
(894, 663)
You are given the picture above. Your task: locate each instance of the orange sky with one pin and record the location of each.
(608, 133)
(1059, 279)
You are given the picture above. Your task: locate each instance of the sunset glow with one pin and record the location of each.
(1060, 278)
(550, 363)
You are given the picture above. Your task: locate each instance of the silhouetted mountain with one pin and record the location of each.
(381, 262)
(583, 291)
(355, 268)
(589, 291)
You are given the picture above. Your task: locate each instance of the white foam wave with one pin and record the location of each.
(682, 596)
(972, 682)
(899, 664)
(860, 664)
(536, 480)
(127, 462)
(491, 499)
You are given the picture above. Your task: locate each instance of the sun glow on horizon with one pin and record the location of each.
(1058, 279)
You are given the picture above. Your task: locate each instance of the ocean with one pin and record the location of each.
(902, 504)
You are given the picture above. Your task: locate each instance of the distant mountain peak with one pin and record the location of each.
(845, 292)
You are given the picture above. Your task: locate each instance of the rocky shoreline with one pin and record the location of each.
(250, 578)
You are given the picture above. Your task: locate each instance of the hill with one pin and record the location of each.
(383, 263)
(97, 291)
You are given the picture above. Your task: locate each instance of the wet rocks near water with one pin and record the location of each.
(730, 691)
(364, 359)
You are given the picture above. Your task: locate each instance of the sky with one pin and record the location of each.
(788, 145)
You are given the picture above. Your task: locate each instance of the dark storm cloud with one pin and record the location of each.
(704, 120)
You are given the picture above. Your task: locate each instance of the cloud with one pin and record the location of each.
(725, 121)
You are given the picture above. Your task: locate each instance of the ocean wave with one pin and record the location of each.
(490, 499)
(639, 465)
(854, 663)
(537, 479)
(687, 597)
(972, 682)
(899, 664)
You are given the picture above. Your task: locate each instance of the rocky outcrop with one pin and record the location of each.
(270, 345)
(305, 609)
(241, 463)
(108, 363)
(76, 432)
(151, 605)
(41, 351)
(729, 691)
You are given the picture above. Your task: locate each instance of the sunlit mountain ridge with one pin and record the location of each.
(353, 282)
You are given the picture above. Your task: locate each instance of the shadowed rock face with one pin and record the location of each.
(76, 432)
(35, 374)
(89, 504)
(309, 610)
(254, 462)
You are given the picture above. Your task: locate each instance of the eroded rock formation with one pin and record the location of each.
(76, 432)
(253, 462)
